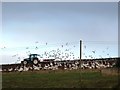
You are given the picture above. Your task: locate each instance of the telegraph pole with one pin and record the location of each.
(80, 61)
(80, 50)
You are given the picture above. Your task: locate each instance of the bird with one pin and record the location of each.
(14, 56)
(83, 53)
(27, 47)
(3, 47)
(36, 42)
(84, 46)
(36, 47)
(89, 55)
(100, 56)
(93, 52)
(66, 49)
(107, 48)
(66, 44)
(18, 57)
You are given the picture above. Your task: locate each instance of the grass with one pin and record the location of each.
(59, 79)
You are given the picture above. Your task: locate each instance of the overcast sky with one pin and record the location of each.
(25, 23)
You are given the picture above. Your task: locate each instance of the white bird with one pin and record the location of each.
(35, 67)
(25, 68)
(21, 69)
(10, 69)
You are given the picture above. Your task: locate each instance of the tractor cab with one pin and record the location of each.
(33, 58)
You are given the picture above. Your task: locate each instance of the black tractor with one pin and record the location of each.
(33, 58)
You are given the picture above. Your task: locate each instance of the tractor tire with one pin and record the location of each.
(35, 61)
(25, 62)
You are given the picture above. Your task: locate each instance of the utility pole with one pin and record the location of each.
(80, 61)
(80, 50)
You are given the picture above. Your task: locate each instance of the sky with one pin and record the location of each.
(51, 26)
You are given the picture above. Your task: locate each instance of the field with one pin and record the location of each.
(59, 79)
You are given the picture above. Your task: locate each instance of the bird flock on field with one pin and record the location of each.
(57, 65)
(64, 59)
(58, 54)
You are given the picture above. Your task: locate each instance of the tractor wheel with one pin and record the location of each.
(35, 61)
(25, 62)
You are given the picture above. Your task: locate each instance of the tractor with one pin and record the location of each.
(33, 58)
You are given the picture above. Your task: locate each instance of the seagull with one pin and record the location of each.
(66, 44)
(27, 47)
(18, 60)
(107, 48)
(36, 47)
(90, 55)
(18, 57)
(100, 56)
(67, 50)
(28, 52)
(93, 51)
(13, 55)
(3, 47)
(36, 42)
(84, 46)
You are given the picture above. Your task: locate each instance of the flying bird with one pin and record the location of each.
(84, 46)
(67, 50)
(66, 44)
(93, 52)
(27, 47)
(14, 56)
(3, 47)
(107, 48)
(36, 42)
(18, 57)
(36, 47)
